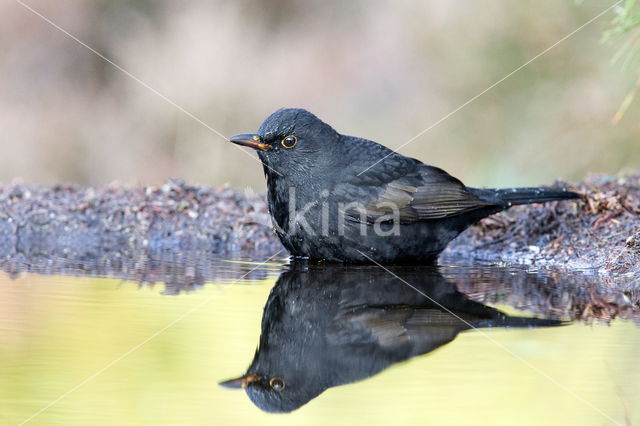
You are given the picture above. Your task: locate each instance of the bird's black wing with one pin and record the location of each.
(421, 330)
(406, 187)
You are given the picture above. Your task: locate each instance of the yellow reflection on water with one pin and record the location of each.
(59, 333)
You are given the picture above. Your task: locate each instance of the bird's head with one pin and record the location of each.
(290, 141)
(275, 394)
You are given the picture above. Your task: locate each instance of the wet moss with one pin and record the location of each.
(600, 232)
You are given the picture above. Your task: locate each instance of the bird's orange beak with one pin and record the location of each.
(251, 140)
(240, 382)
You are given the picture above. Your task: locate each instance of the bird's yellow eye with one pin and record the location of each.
(289, 142)
(276, 383)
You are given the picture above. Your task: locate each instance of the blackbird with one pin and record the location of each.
(328, 325)
(346, 199)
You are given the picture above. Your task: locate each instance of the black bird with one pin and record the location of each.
(329, 325)
(346, 199)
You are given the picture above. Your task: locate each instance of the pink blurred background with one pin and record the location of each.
(378, 69)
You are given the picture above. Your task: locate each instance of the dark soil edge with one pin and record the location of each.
(600, 232)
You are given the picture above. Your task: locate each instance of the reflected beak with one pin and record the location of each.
(240, 382)
(251, 140)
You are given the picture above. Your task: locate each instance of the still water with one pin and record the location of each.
(147, 340)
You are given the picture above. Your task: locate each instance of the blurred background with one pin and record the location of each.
(383, 70)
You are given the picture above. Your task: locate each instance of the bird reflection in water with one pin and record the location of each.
(329, 325)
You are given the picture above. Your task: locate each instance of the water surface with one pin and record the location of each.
(145, 341)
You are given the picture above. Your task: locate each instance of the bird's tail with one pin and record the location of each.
(519, 322)
(514, 196)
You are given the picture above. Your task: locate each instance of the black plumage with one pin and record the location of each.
(329, 325)
(346, 199)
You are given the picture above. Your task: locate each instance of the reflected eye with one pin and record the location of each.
(289, 142)
(276, 383)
